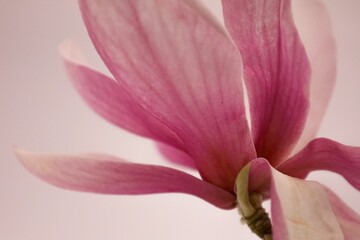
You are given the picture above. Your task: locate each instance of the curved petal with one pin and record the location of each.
(348, 219)
(276, 72)
(315, 29)
(325, 154)
(299, 209)
(183, 70)
(110, 175)
(110, 100)
(175, 156)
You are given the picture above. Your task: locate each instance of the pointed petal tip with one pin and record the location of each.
(33, 162)
(69, 51)
(21, 155)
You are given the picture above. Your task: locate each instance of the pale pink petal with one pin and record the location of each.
(109, 175)
(325, 154)
(176, 156)
(314, 25)
(299, 209)
(183, 70)
(202, 10)
(110, 100)
(348, 219)
(276, 72)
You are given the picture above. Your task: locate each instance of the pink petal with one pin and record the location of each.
(183, 70)
(202, 10)
(175, 156)
(110, 100)
(314, 24)
(276, 72)
(325, 154)
(349, 220)
(109, 175)
(299, 209)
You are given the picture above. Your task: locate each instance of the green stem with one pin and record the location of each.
(250, 207)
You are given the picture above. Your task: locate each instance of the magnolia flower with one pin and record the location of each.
(178, 79)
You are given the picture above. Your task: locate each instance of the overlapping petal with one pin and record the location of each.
(184, 71)
(110, 175)
(276, 72)
(299, 209)
(325, 154)
(315, 29)
(176, 156)
(349, 220)
(110, 100)
(178, 80)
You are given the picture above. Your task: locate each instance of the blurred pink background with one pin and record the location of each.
(40, 111)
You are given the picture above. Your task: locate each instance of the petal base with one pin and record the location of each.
(299, 209)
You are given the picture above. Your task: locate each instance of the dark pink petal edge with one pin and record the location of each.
(325, 154)
(109, 175)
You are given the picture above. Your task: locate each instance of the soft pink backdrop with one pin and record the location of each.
(40, 111)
